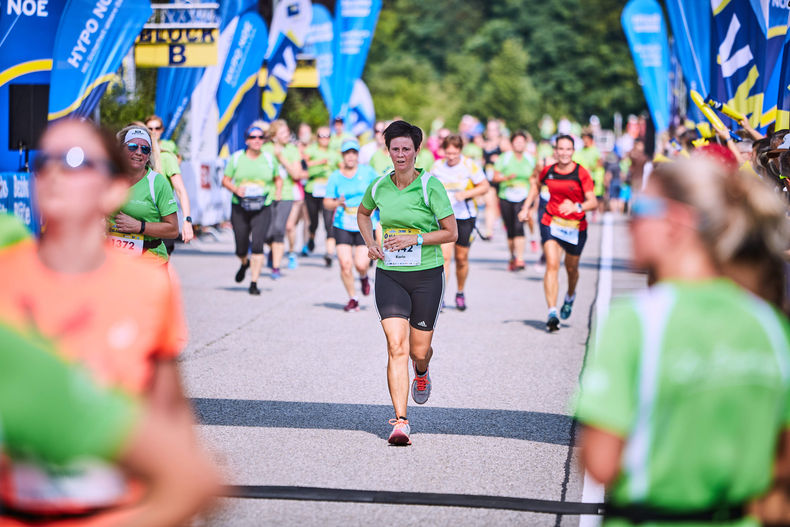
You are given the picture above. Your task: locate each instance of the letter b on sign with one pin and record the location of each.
(177, 55)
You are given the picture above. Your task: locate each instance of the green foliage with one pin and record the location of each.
(304, 105)
(514, 59)
(117, 110)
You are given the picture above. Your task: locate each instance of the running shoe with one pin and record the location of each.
(534, 246)
(305, 251)
(365, 281)
(254, 289)
(292, 263)
(460, 302)
(511, 265)
(311, 245)
(242, 272)
(420, 387)
(553, 324)
(518, 265)
(565, 311)
(276, 274)
(327, 260)
(400, 432)
(353, 305)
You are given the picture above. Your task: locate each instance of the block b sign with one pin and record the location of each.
(176, 47)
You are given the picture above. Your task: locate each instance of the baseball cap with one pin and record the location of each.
(781, 148)
(349, 145)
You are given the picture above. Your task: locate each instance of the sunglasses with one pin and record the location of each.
(152, 128)
(74, 159)
(132, 147)
(648, 207)
(323, 136)
(254, 137)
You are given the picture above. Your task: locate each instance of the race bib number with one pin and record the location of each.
(319, 189)
(565, 230)
(132, 243)
(253, 191)
(410, 256)
(516, 193)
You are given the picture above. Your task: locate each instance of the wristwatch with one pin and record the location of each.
(419, 239)
(579, 208)
(188, 218)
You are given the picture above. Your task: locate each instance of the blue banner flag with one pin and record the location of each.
(240, 74)
(27, 36)
(643, 23)
(318, 44)
(290, 26)
(772, 17)
(783, 84)
(361, 116)
(738, 71)
(355, 23)
(92, 38)
(174, 87)
(691, 31)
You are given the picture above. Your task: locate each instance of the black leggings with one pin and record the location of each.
(313, 206)
(413, 295)
(510, 212)
(246, 223)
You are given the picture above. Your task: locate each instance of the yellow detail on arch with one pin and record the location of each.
(76, 104)
(31, 66)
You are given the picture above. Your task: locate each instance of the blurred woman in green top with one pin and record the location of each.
(253, 176)
(169, 164)
(288, 202)
(151, 208)
(684, 398)
(321, 162)
(417, 218)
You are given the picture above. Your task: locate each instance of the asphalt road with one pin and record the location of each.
(292, 391)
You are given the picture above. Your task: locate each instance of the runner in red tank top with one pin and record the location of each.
(563, 226)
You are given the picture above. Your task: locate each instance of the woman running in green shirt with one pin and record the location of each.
(151, 209)
(417, 218)
(685, 396)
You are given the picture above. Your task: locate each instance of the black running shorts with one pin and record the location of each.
(573, 250)
(413, 295)
(465, 230)
(344, 237)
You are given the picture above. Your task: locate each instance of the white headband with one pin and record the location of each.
(137, 133)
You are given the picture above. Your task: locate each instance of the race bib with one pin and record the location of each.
(410, 256)
(544, 193)
(132, 243)
(319, 189)
(253, 191)
(565, 230)
(516, 193)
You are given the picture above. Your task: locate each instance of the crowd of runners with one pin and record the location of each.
(708, 223)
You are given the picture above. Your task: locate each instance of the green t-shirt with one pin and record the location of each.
(168, 145)
(150, 200)
(517, 189)
(12, 230)
(53, 412)
(290, 153)
(425, 159)
(381, 162)
(589, 158)
(318, 175)
(693, 376)
(406, 209)
(257, 174)
(169, 165)
(473, 152)
(336, 141)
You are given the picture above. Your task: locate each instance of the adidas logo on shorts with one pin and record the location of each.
(422, 324)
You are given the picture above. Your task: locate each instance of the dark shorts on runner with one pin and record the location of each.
(465, 230)
(279, 218)
(573, 250)
(249, 223)
(344, 237)
(314, 205)
(413, 295)
(510, 210)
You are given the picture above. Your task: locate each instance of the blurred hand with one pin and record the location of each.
(187, 234)
(127, 224)
(375, 252)
(396, 243)
(567, 207)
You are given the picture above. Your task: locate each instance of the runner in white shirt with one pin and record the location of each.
(464, 179)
